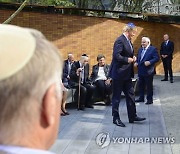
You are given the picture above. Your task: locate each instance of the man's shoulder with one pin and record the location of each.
(65, 61)
(120, 38)
(152, 47)
(95, 66)
(171, 42)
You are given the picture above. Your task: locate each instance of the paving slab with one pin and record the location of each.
(92, 131)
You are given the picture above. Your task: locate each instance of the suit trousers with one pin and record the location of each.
(127, 87)
(167, 64)
(146, 82)
(103, 89)
(86, 93)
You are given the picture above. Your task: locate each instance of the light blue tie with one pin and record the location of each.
(143, 53)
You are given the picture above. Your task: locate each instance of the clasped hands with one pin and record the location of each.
(131, 60)
(164, 56)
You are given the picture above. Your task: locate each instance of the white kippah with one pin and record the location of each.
(17, 46)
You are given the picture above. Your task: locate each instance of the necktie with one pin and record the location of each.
(130, 45)
(82, 75)
(166, 42)
(69, 67)
(143, 53)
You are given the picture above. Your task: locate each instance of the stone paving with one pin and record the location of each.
(92, 131)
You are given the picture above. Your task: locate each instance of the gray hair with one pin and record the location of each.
(21, 94)
(147, 39)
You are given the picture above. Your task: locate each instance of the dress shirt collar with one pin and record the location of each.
(22, 150)
(126, 37)
(146, 47)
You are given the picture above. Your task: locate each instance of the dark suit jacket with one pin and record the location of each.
(74, 78)
(152, 56)
(167, 49)
(65, 71)
(120, 68)
(95, 70)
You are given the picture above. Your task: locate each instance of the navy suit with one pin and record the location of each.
(167, 62)
(121, 72)
(146, 73)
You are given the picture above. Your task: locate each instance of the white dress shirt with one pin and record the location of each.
(101, 74)
(21, 150)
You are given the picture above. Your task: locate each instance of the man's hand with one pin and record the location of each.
(108, 82)
(164, 56)
(135, 64)
(130, 60)
(78, 71)
(134, 58)
(147, 63)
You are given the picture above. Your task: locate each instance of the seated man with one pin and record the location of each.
(80, 77)
(99, 77)
(66, 70)
(29, 95)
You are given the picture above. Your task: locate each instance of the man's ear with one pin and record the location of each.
(49, 105)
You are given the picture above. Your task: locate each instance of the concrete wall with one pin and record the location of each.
(91, 35)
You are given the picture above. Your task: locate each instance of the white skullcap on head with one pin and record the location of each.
(17, 46)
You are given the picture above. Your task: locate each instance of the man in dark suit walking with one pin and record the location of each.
(146, 59)
(166, 52)
(121, 72)
(81, 69)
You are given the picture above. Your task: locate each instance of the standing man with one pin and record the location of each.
(81, 69)
(121, 72)
(66, 70)
(146, 59)
(166, 52)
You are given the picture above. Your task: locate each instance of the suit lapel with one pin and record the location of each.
(145, 53)
(129, 50)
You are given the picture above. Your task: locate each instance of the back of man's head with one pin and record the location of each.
(30, 90)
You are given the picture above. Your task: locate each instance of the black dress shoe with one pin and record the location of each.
(81, 108)
(89, 106)
(149, 102)
(137, 119)
(139, 100)
(164, 80)
(119, 123)
(67, 113)
(171, 81)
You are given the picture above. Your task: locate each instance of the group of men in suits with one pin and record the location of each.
(76, 76)
(121, 71)
(118, 76)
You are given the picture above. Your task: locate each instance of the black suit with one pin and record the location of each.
(167, 49)
(86, 88)
(121, 72)
(103, 89)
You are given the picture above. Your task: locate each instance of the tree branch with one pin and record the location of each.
(16, 12)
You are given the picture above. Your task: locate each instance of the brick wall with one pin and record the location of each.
(91, 35)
